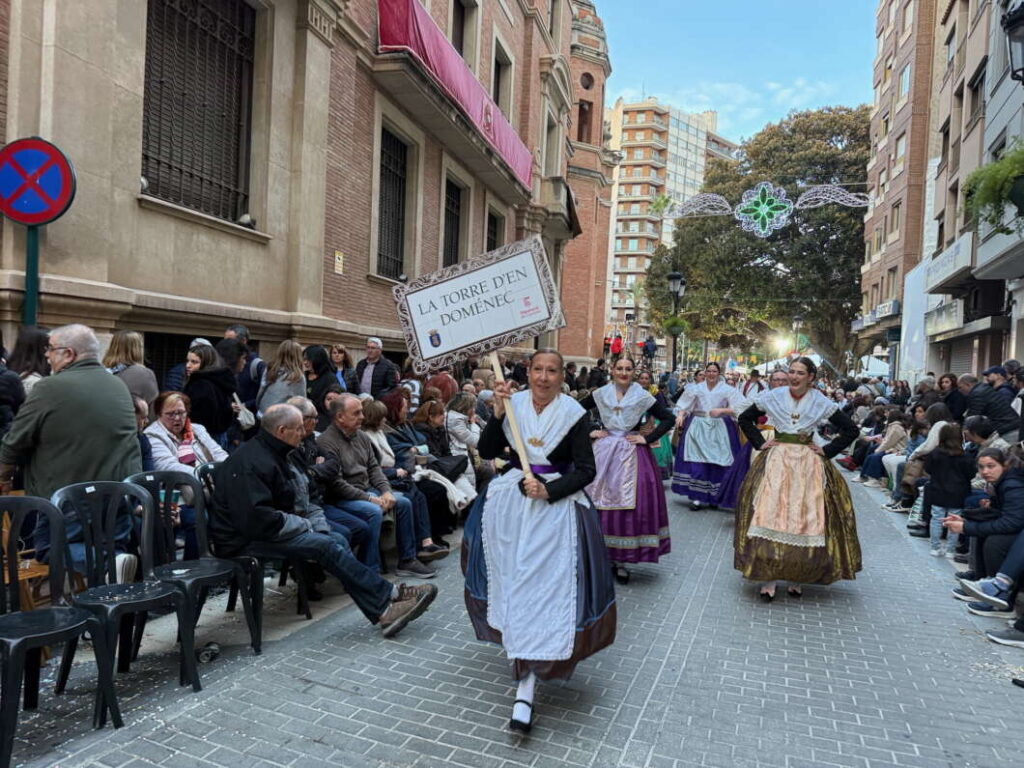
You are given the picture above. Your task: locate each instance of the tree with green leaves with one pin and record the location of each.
(742, 289)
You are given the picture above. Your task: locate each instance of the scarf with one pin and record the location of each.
(186, 448)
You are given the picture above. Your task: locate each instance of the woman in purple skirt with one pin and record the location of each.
(628, 492)
(710, 463)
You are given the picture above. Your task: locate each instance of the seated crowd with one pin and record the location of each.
(949, 456)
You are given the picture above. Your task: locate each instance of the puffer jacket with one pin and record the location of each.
(1008, 502)
(984, 401)
(211, 391)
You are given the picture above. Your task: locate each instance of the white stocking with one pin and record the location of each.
(521, 712)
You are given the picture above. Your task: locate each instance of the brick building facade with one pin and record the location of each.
(332, 168)
(590, 174)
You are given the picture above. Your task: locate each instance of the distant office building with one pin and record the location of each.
(664, 153)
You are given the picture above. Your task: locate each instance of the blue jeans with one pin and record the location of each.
(405, 531)
(421, 513)
(873, 466)
(369, 591)
(935, 527)
(359, 522)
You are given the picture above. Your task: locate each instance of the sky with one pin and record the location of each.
(751, 60)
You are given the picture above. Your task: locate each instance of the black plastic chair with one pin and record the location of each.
(256, 566)
(192, 577)
(23, 634)
(97, 506)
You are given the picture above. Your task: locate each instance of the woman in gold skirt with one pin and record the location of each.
(795, 520)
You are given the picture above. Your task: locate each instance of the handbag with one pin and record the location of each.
(245, 417)
(451, 467)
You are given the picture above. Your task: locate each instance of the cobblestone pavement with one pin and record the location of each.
(888, 670)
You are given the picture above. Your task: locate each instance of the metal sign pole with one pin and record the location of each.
(30, 308)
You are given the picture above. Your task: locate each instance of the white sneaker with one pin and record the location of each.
(858, 479)
(873, 483)
(935, 552)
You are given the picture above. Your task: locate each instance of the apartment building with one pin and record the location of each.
(1000, 256)
(966, 330)
(664, 152)
(284, 163)
(896, 172)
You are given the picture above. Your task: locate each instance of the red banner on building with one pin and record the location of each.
(405, 25)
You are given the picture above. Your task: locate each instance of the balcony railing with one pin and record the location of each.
(954, 157)
(648, 141)
(643, 178)
(406, 27)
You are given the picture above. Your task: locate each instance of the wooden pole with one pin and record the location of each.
(517, 437)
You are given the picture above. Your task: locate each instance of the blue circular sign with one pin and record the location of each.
(37, 181)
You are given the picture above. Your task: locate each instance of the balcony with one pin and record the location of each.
(643, 178)
(637, 217)
(421, 70)
(656, 124)
(644, 196)
(954, 158)
(961, 58)
(647, 252)
(944, 318)
(649, 141)
(557, 198)
(952, 266)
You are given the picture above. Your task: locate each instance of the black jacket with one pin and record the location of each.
(957, 404)
(950, 478)
(253, 496)
(575, 449)
(210, 391)
(985, 401)
(385, 378)
(598, 378)
(1006, 391)
(12, 395)
(1008, 502)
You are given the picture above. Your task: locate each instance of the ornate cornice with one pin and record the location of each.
(321, 17)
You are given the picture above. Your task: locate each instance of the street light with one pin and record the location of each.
(677, 286)
(1013, 25)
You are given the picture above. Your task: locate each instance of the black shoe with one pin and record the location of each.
(962, 559)
(794, 592)
(695, 505)
(519, 725)
(621, 574)
(921, 533)
(968, 575)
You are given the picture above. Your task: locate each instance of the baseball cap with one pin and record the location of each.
(997, 369)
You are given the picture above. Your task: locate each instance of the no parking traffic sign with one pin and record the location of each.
(37, 181)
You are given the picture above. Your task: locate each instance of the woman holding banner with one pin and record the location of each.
(710, 463)
(628, 491)
(537, 574)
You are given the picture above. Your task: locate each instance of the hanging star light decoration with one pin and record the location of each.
(764, 209)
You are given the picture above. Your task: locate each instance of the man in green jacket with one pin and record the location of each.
(77, 425)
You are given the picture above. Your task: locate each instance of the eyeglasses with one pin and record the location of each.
(175, 414)
(51, 348)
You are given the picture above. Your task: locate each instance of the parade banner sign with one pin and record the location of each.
(482, 304)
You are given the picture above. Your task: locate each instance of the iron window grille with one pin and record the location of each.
(394, 157)
(197, 104)
(452, 222)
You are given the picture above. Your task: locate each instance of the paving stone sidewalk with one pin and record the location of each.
(888, 670)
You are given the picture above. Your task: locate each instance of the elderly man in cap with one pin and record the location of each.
(375, 374)
(997, 377)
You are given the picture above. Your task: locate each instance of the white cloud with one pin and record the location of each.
(742, 108)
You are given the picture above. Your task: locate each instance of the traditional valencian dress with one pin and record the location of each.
(710, 463)
(795, 519)
(628, 491)
(538, 579)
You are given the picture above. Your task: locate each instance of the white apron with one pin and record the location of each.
(617, 490)
(530, 544)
